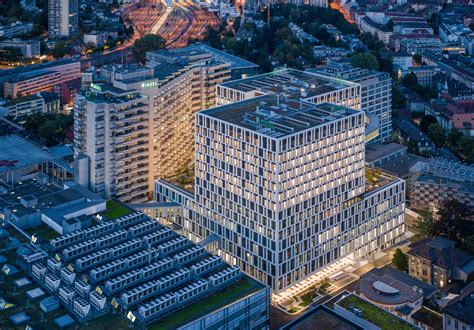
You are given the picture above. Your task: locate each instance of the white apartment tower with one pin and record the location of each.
(111, 132)
(63, 17)
(280, 182)
(177, 84)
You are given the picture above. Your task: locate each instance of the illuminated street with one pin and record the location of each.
(342, 10)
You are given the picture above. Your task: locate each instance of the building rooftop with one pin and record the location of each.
(428, 317)
(378, 150)
(386, 290)
(17, 153)
(401, 165)
(289, 82)
(346, 71)
(462, 307)
(23, 99)
(235, 62)
(373, 314)
(276, 118)
(321, 317)
(441, 252)
(34, 67)
(111, 253)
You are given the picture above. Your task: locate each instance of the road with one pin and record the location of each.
(343, 11)
(177, 24)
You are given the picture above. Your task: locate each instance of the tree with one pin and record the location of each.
(400, 260)
(454, 220)
(426, 121)
(398, 101)
(410, 80)
(454, 137)
(365, 61)
(468, 244)
(424, 223)
(417, 58)
(436, 134)
(148, 43)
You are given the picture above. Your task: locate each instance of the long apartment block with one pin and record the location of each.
(176, 84)
(280, 184)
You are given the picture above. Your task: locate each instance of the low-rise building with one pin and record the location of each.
(97, 38)
(15, 29)
(437, 261)
(467, 41)
(423, 73)
(32, 79)
(368, 315)
(324, 52)
(440, 179)
(28, 48)
(381, 31)
(464, 122)
(408, 133)
(459, 313)
(378, 153)
(22, 107)
(400, 59)
(412, 27)
(395, 291)
(451, 32)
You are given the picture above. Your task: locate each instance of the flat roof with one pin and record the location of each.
(269, 116)
(240, 289)
(401, 165)
(321, 317)
(235, 62)
(377, 150)
(30, 68)
(387, 290)
(16, 153)
(291, 83)
(374, 314)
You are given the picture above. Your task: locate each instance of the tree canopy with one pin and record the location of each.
(51, 128)
(365, 61)
(454, 220)
(400, 260)
(436, 134)
(148, 43)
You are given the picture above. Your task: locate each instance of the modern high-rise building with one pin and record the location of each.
(63, 17)
(178, 83)
(111, 134)
(376, 93)
(280, 181)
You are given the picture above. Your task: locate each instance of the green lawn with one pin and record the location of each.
(43, 231)
(115, 210)
(375, 315)
(236, 291)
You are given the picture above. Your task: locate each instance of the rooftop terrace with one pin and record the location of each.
(373, 314)
(289, 82)
(321, 318)
(268, 116)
